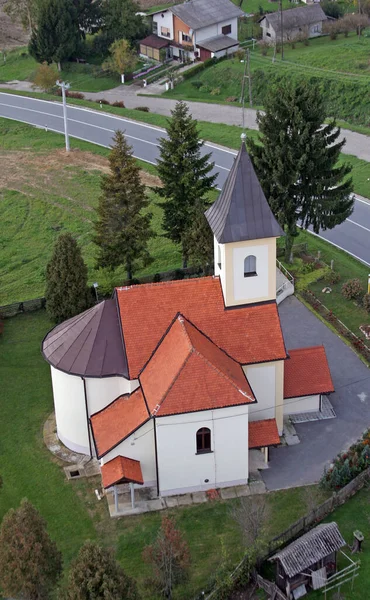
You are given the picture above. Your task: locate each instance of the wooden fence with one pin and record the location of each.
(305, 523)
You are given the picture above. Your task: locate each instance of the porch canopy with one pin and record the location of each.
(217, 43)
(121, 470)
(154, 41)
(263, 434)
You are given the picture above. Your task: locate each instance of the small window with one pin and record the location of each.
(226, 29)
(186, 38)
(250, 266)
(268, 34)
(165, 32)
(203, 440)
(155, 27)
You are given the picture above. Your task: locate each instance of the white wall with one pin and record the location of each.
(223, 52)
(301, 404)
(212, 30)
(165, 21)
(101, 392)
(181, 470)
(139, 446)
(262, 379)
(247, 288)
(70, 411)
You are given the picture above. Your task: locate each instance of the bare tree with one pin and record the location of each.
(251, 514)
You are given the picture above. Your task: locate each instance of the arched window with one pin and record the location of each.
(250, 266)
(203, 440)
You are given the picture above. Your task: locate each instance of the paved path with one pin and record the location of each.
(321, 440)
(98, 127)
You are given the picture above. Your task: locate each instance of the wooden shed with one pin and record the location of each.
(306, 563)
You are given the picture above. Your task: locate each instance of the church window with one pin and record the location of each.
(250, 266)
(203, 440)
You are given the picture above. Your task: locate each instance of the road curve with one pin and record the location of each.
(96, 127)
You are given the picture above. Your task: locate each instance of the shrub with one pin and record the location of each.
(119, 104)
(194, 71)
(366, 302)
(197, 84)
(308, 267)
(332, 277)
(76, 95)
(205, 89)
(45, 77)
(352, 289)
(156, 277)
(102, 101)
(179, 274)
(231, 99)
(142, 108)
(347, 465)
(216, 91)
(332, 9)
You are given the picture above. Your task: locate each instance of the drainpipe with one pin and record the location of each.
(87, 416)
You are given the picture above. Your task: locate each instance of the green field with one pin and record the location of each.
(72, 512)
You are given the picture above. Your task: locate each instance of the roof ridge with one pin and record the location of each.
(166, 283)
(155, 410)
(224, 375)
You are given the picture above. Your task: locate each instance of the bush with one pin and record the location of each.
(119, 104)
(308, 267)
(347, 465)
(332, 9)
(156, 277)
(205, 89)
(142, 108)
(194, 71)
(366, 302)
(197, 84)
(332, 277)
(216, 91)
(352, 289)
(102, 101)
(231, 99)
(45, 77)
(76, 95)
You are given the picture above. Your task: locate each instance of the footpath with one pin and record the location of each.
(357, 144)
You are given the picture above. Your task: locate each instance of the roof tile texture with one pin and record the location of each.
(263, 433)
(307, 373)
(118, 420)
(249, 334)
(121, 469)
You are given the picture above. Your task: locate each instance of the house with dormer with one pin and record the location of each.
(172, 385)
(194, 30)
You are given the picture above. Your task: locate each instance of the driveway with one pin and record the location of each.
(321, 440)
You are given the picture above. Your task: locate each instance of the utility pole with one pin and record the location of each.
(65, 86)
(281, 29)
(249, 76)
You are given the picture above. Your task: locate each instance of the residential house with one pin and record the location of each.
(172, 385)
(194, 30)
(296, 22)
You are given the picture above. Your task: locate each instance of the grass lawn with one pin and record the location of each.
(351, 314)
(71, 509)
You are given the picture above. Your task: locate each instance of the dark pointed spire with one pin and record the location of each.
(241, 212)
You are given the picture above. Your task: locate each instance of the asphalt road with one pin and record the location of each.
(98, 128)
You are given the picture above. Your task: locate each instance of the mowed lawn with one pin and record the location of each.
(72, 512)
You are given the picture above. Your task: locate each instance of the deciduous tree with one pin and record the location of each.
(185, 174)
(123, 228)
(30, 563)
(66, 291)
(169, 557)
(296, 161)
(122, 59)
(56, 35)
(96, 575)
(45, 77)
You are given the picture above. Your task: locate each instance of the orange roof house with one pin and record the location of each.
(171, 385)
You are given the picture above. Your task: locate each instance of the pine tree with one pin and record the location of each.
(297, 163)
(122, 230)
(66, 292)
(122, 21)
(95, 574)
(56, 36)
(185, 174)
(30, 563)
(199, 239)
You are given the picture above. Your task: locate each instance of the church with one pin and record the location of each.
(171, 385)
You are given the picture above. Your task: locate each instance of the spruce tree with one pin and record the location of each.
(56, 35)
(30, 563)
(199, 239)
(296, 160)
(121, 19)
(122, 230)
(185, 174)
(66, 292)
(95, 574)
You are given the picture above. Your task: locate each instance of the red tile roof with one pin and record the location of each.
(188, 373)
(263, 433)
(121, 470)
(306, 373)
(118, 420)
(250, 334)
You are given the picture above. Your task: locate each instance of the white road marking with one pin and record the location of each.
(340, 248)
(358, 225)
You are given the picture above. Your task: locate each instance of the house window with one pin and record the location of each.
(165, 32)
(155, 27)
(203, 440)
(186, 38)
(250, 266)
(316, 29)
(226, 29)
(268, 34)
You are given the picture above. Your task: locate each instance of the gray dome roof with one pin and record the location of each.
(89, 345)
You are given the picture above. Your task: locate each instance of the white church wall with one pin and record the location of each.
(302, 404)
(182, 470)
(70, 411)
(102, 391)
(139, 446)
(262, 379)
